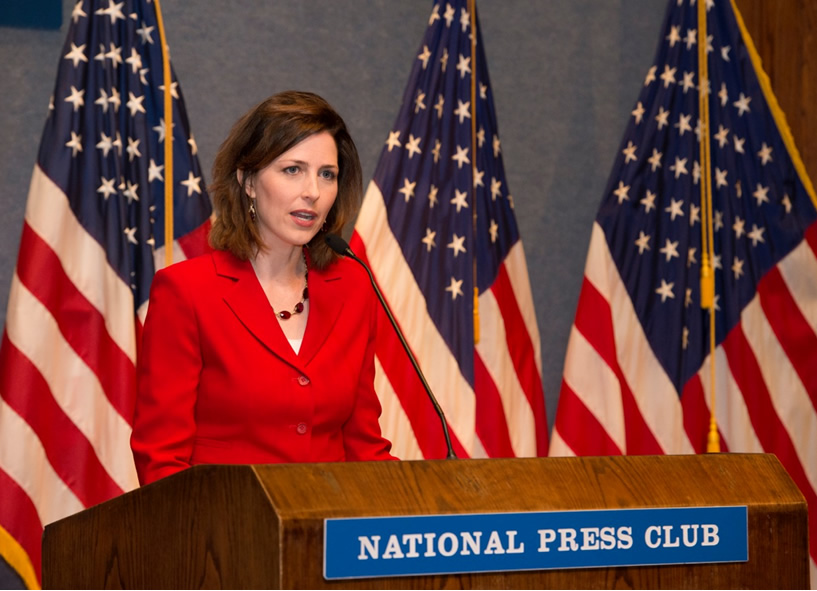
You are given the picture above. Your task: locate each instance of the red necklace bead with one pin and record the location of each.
(299, 307)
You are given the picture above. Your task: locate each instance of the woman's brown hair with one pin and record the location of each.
(259, 137)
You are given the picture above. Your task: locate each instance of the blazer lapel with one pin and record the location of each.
(245, 297)
(326, 300)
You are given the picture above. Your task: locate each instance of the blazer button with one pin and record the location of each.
(303, 380)
(301, 428)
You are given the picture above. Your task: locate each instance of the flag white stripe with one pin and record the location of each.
(454, 393)
(32, 471)
(83, 259)
(517, 270)
(75, 388)
(587, 374)
(479, 449)
(788, 394)
(496, 357)
(799, 268)
(558, 447)
(394, 420)
(656, 397)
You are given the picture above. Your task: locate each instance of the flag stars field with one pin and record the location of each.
(77, 54)
(428, 239)
(413, 146)
(460, 200)
(694, 214)
(629, 153)
(622, 192)
(665, 290)
(675, 208)
(192, 184)
(643, 242)
(76, 98)
(454, 288)
(408, 189)
(638, 113)
(461, 157)
(393, 140)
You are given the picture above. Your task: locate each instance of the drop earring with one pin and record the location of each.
(252, 211)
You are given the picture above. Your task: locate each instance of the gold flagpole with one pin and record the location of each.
(168, 107)
(707, 237)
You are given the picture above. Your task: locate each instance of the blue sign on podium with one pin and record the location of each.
(489, 542)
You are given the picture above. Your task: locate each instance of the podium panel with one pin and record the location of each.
(263, 526)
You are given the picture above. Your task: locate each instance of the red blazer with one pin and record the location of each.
(218, 382)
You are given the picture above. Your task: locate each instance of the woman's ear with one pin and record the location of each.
(239, 175)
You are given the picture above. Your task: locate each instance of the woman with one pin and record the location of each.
(263, 351)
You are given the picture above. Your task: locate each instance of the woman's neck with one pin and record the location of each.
(279, 266)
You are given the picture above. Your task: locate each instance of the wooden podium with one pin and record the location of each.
(262, 526)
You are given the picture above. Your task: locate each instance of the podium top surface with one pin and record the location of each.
(522, 484)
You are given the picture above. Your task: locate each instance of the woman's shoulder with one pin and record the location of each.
(347, 270)
(187, 269)
(204, 266)
(202, 272)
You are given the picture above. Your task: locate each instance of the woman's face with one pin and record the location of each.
(295, 192)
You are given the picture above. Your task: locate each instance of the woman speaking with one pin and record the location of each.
(263, 351)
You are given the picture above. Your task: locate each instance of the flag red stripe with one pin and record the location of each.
(792, 330)
(425, 423)
(81, 324)
(491, 422)
(28, 394)
(770, 431)
(696, 413)
(418, 408)
(19, 518)
(579, 429)
(521, 351)
(696, 416)
(594, 320)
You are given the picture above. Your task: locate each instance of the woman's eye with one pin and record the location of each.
(291, 169)
(329, 175)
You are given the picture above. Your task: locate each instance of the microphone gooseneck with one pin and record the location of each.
(340, 246)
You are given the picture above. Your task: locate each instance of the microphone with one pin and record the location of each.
(340, 246)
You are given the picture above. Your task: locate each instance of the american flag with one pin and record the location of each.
(437, 222)
(92, 239)
(637, 372)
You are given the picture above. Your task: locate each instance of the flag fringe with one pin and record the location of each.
(774, 106)
(18, 559)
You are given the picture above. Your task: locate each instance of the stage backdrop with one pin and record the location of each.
(565, 75)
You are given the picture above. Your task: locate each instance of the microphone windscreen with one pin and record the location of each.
(336, 243)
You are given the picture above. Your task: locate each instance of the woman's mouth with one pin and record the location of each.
(304, 218)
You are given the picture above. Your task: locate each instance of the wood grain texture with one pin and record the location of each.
(783, 32)
(262, 526)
